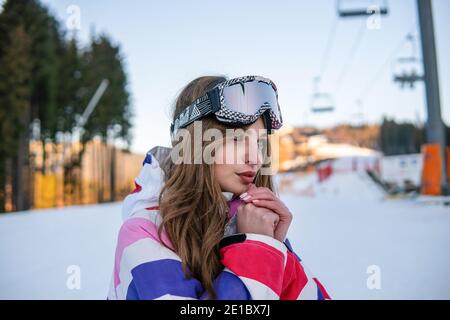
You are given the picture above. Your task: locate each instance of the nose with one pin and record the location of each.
(253, 155)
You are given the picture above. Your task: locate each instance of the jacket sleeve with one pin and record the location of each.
(257, 261)
(145, 269)
(298, 282)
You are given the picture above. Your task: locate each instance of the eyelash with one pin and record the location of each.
(260, 141)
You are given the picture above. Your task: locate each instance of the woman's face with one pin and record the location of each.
(240, 158)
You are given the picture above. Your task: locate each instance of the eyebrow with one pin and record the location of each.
(248, 126)
(263, 130)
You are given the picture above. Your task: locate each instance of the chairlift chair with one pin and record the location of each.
(407, 69)
(322, 102)
(357, 8)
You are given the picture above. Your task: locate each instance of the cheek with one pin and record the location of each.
(225, 176)
(220, 153)
(222, 173)
(230, 154)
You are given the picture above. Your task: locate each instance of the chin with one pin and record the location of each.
(236, 188)
(240, 188)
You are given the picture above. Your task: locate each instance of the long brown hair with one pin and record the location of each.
(193, 208)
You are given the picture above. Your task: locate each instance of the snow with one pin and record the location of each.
(341, 228)
(344, 226)
(37, 247)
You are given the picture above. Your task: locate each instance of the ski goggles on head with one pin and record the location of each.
(236, 102)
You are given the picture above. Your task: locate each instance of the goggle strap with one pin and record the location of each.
(214, 98)
(200, 108)
(267, 123)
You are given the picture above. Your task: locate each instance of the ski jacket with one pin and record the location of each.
(256, 267)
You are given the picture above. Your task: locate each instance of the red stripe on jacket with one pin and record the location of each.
(256, 262)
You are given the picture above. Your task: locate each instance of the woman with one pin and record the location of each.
(206, 224)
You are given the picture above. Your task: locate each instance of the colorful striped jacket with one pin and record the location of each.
(255, 266)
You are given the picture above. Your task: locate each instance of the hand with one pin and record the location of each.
(253, 219)
(263, 197)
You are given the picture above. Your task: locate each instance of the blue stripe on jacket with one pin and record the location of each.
(154, 279)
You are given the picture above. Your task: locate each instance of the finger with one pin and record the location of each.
(246, 195)
(260, 189)
(272, 205)
(251, 187)
(270, 198)
(261, 196)
(271, 218)
(275, 221)
(269, 204)
(264, 192)
(261, 192)
(249, 206)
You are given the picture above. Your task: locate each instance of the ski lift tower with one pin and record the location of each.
(435, 127)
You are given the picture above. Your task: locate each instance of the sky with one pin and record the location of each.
(166, 44)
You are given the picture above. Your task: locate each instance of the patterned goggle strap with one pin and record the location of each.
(197, 110)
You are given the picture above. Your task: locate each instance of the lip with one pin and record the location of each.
(247, 176)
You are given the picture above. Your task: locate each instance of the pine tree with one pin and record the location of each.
(103, 60)
(53, 84)
(15, 90)
(112, 116)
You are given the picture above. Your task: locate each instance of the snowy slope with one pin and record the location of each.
(347, 227)
(37, 247)
(340, 227)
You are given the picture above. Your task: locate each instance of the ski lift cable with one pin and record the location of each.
(325, 57)
(414, 40)
(346, 67)
(328, 47)
(370, 84)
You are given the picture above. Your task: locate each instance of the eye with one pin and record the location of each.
(261, 144)
(239, 138)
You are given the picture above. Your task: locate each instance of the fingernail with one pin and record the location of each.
(255, 200)
(247, 198)
(242, 196)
